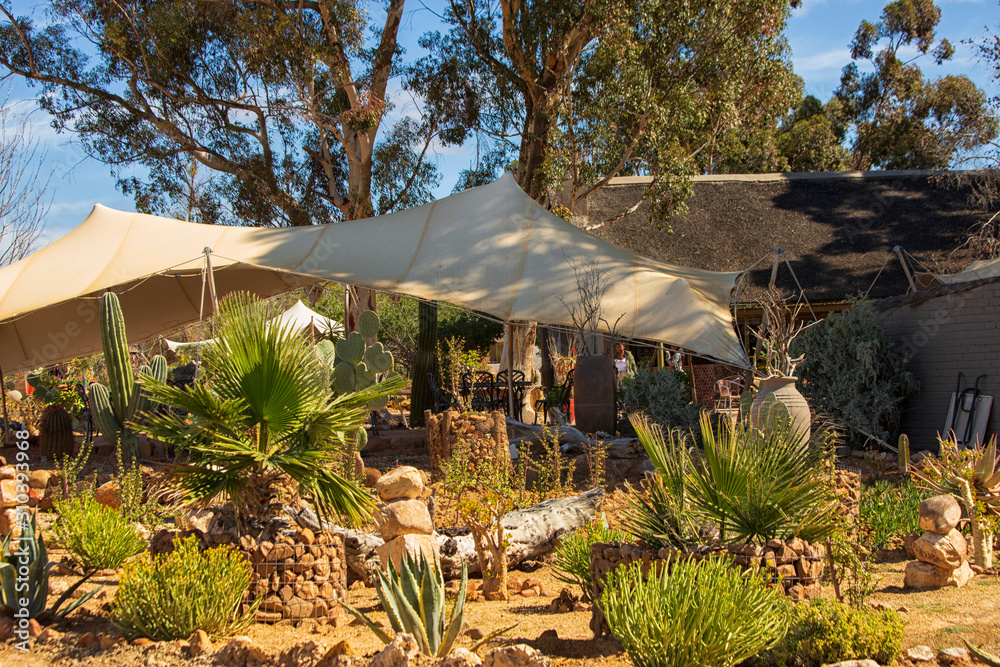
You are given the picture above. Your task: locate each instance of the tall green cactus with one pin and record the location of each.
(117, 404)
(55, 432)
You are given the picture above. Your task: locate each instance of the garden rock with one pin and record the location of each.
(8, 493)
(39, 479)
(945, 551)
(403, 482)
(854, 663)
(518, 655)
(940, 514)
(397, 653)
(241, 652)
(406, 544)
(920, 653)
(404, 517)
(919, 574)
(9, 524)
(953, 656)
(199, 643)
(109, 494)
(461, 657)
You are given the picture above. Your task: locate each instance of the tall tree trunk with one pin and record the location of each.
(548, 371)
(424, 362)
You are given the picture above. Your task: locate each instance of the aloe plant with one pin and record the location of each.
(413, 598)
(30, 550)
(972, 475)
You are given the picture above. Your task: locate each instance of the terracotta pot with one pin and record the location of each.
(785, 391)
(594, 394)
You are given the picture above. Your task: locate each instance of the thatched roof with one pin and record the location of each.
(837, 230)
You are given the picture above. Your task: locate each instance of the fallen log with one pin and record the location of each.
(531, 533)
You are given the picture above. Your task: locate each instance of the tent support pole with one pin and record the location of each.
(906, 269)
(510, 370)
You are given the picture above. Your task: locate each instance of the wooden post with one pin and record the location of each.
(906, 269)
(510, 371)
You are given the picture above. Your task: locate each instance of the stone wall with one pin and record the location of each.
(485, 434)
(796, 566)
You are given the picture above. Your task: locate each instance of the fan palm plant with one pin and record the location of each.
(751, 485)
(265, 412)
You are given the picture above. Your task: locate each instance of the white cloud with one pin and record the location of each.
(834, 59)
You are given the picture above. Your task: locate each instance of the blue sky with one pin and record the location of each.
(819, 33)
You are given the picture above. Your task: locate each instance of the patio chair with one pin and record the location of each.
(556, 397)
(728, 389)
(518, 382)
(483, 393)
(442, 401)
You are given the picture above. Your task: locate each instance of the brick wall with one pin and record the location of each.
(704, 382)
(954, 330)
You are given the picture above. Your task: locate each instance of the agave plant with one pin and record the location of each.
(973, 476)
(30, 551)
(413, 598)
(751, 485)
(266, 412)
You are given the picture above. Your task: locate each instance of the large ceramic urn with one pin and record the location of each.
(783, 389)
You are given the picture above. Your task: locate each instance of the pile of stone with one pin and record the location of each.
(847, 487)
(484, 435)
(404, 520)
(39, 494)
(298, 577)
(941, 551)
(795, 566)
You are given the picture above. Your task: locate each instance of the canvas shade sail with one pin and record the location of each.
(490, 248)
(298, 318)
(981, 269)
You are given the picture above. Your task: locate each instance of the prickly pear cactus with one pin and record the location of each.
(356, 364)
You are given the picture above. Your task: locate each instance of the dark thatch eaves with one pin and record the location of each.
(837, 230)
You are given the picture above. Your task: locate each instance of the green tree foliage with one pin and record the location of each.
(900, 120)
(811, 137)
(591, 90)
(853, 374)
(282, 102)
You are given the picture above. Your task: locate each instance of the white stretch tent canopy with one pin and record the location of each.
(299, 318)
(490, 248)
(979, 270)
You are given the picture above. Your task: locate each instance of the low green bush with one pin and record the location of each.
(96, 536)
(663, 396)
(824, 632)
(699, 614)
(889, 512)
(173, 595)
(572, 561)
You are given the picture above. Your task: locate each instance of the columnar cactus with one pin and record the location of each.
(117, 404)
(55, 432)
(903, 453)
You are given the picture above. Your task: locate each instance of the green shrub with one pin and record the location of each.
(705, 613)
(889, 512)
(664, 396)
(572, 561)
(826, 632)
(853, 374)
(173, 595)
(749, 486)
(97, 537)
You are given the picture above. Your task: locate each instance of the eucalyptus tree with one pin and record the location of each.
(900, 120)
(282, 103)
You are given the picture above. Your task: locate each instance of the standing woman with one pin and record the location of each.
(624, 362)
